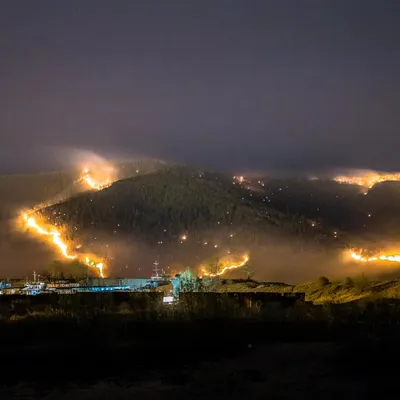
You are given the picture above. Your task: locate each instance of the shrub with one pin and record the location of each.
(323, 281)
(348, 282)
(361, 284)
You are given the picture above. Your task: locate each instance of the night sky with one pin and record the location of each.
(228, 84)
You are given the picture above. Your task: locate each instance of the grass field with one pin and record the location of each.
(323, 292)
(119, 350)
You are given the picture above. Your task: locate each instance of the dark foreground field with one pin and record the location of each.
(273, 351)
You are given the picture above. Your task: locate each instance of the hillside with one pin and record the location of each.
(150, 197)
(170, 202)
(337, 292)
(20, 252)
(184, 216)
(22, 191)
(25, 191)
(293, 228)
(346, 208)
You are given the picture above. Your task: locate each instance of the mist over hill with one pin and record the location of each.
(21, 253)
(184, 216)
(359, 214)
(175, 199)
(29, 190)
(293, 228)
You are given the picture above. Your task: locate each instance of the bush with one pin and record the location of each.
(323, 281)
(348, 282)
(361, 284)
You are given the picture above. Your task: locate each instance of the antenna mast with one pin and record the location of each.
(156, 269)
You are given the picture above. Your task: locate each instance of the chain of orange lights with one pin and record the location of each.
(55, 236)
(207, 273)
(357, 256)
(367, 179)
(93, 183)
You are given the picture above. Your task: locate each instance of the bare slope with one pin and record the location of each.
(337, 292)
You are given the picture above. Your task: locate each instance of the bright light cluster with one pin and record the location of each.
(367, 179)
(228, 267)
(93, 183)
(357, 255)
(53, 234)
(55, 237)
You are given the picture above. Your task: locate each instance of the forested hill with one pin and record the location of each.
(339, 206)
(25, 191)
(173, 200)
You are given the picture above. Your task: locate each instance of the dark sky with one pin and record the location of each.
(230, 84)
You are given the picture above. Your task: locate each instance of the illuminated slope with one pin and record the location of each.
(339, 206)
(55, 237)
(225, 266)
(31, 192)
(177, 204)
(367, 179)
(27, 190)
(176, 199)
(51, 234)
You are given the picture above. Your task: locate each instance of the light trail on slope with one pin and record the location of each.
(93, 183)
(367, 179)
(207, 273)
(55, 236)
(57, 240)
(98, 265)
(357, 256)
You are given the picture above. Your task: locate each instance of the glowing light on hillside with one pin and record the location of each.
(92, 182)
(94, 264)
(54, 236)
(224, 269)
(367, 179)
(357, 255)
(239, 179)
